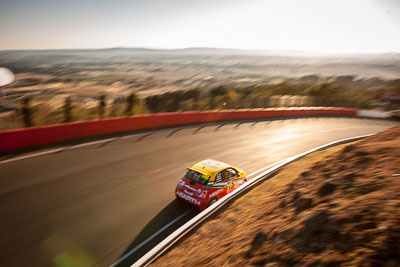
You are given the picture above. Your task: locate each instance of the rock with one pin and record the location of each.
(257, 242)
(317, 220)
(367, 188)
(315, 167)
(348, 148)
(259, 239)
(327, 175)
(363, 160)
(326, 189)
(304, 174)
(303, 204)
(348, 180)
(361, 153)
(296, 196)
(350, 176)
(367, 225)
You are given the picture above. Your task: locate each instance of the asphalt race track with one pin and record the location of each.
(90, 205)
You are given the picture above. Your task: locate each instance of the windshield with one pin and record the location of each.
(196, 177)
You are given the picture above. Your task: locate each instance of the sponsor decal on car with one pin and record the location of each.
(191, 188)
(187, 192)
(211, 164)
(213, 194)
(188, 198)
(238, 183)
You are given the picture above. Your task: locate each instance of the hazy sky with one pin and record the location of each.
(337, 26)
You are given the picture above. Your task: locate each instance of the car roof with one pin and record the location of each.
(210, 166)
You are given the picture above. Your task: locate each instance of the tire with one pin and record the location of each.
(212, 201)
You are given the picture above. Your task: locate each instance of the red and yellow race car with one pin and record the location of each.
(207, 181)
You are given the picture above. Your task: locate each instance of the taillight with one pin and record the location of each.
(203, 194)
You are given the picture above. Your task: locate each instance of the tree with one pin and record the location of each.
(67, 109)
(131, 101)
(102, 105)
(196, 98)
(192, 94)
(153, 103)
(254, 102)
(219, 91)
(27, 112)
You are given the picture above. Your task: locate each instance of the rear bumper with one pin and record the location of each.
(199, 203)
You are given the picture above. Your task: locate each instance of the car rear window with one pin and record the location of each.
(196, 177)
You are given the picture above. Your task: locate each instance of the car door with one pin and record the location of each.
(227, 179)
(233, 176)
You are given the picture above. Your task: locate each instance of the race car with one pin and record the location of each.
(207, 181)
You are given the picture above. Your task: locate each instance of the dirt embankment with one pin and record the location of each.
(344, 209)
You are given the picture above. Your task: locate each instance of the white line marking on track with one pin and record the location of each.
(82, 145)
(150, 238)
(33, 155)
(56, 150)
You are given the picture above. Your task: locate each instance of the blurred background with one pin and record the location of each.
(67, 61)
(59, 86)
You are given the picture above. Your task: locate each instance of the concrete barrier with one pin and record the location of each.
(18, 139)
(374, 114)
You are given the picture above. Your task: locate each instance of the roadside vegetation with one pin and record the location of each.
(335, 93)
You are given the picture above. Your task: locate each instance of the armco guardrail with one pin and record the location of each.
(12, 140)
(195, 221)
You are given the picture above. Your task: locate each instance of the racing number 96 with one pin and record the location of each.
(229, 187)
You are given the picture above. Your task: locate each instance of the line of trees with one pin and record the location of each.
(220, 97)
(31, 116)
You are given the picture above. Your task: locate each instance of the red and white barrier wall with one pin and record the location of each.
(12, 140)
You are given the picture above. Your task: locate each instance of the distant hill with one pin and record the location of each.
(195, 60)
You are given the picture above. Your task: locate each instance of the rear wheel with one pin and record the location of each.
(212, 201)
